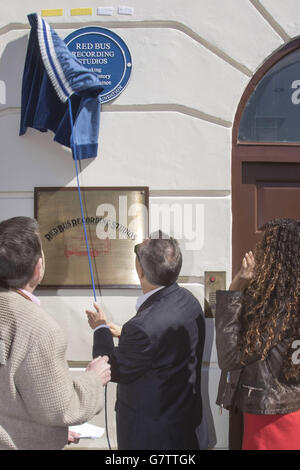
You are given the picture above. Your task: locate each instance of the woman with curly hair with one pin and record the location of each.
(258, 340)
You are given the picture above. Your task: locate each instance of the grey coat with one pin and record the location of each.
(39, 398)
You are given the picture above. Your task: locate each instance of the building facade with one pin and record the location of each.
(193, 124)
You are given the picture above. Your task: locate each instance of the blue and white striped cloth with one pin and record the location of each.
(52, 76)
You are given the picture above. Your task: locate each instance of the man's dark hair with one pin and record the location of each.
(161, 259)
(20, 249)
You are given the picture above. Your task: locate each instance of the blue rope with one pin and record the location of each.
(87, 243)
(80, 198)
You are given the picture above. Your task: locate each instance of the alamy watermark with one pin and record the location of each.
(296, 354)
(185, 222)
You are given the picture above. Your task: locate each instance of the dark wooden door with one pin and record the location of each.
(262, 189)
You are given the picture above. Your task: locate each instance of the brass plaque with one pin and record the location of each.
(116, 220)
(213, 281)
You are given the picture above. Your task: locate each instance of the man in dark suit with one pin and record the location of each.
(157, 363)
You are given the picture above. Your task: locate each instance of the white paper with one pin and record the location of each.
(105, 11)
(88, 431)
(123, 10)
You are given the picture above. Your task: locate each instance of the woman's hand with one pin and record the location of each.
(245, 274)
(247, 269)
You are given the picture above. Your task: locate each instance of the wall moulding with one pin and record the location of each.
(142, 24)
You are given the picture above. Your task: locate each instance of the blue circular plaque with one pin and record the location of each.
(106, 54)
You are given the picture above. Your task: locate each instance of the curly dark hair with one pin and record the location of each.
(271, 312)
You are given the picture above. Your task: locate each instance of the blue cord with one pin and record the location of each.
(87, 243)
(80, 198)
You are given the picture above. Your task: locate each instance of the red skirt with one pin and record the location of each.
(272, 432)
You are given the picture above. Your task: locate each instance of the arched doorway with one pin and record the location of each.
(265, 159)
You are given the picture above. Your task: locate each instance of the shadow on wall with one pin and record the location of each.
(40, 161)
(11, 71)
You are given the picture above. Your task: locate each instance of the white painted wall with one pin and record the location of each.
(169, 130)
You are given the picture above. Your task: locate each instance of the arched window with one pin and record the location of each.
(266, 150)
(272, 113)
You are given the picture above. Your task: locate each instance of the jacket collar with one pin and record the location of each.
(157, 296)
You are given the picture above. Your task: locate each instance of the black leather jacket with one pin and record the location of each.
(255, 387)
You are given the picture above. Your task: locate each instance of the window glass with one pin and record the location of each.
(272, 113)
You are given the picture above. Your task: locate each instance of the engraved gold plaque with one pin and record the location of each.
(116, 220)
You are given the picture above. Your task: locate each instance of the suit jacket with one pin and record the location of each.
(39, 398)
(157, 366)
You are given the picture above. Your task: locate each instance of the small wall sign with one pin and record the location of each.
(106, 54)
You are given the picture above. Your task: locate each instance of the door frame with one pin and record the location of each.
(241, 193)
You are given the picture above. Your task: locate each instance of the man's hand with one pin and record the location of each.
(96, 318)
(101, 367)
(245, 274)
(115, 329)
(73, 437)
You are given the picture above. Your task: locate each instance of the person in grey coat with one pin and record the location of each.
(39, 397)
